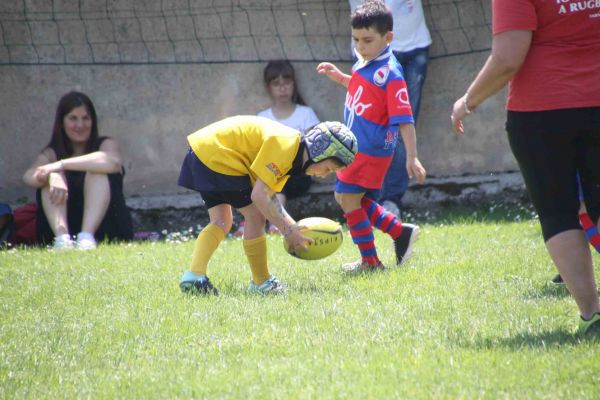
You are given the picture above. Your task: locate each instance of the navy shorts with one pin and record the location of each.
(553, 148)
(215, 188)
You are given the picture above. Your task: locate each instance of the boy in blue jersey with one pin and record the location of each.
(376, 108)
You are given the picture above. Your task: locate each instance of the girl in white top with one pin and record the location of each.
(302, 117)
(289, 109)
(288, 106)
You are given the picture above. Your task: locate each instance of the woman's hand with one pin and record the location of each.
(42, 173)
(59, 192)
(459, 112)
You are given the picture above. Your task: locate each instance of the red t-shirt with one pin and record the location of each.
(562, 67)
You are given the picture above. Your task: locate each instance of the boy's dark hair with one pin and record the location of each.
(373, 14)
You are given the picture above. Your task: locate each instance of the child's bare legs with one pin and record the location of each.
(349, 201)
(254, 222)
(221, 216)
(571, 255)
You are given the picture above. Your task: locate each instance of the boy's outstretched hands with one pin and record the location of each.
(332, 72)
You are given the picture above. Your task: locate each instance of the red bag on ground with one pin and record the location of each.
(25, 225)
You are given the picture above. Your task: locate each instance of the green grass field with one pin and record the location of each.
(472, 315)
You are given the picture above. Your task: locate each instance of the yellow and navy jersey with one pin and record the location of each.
(248, 145)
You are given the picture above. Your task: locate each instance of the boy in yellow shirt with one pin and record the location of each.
(242, 162)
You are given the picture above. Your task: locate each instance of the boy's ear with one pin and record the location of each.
(389, 36)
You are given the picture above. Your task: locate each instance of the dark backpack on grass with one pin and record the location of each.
(6, 224)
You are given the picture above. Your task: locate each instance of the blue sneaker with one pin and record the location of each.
(196, 284)
(271, 285)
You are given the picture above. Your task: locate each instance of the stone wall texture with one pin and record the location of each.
(160, 69)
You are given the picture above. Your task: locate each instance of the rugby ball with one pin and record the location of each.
(327, 236)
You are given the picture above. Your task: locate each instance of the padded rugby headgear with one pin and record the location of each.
(330, 139)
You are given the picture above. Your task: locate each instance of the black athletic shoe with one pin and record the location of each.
(558, 280)
(194, 284)
(204, 287)
(404, 243)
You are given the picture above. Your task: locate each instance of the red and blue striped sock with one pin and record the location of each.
(382, 219)
(362, 235)
(591, 230)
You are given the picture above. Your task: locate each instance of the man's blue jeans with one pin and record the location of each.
(414, 64)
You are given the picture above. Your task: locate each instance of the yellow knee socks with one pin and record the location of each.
(207, 242)
(256, 252)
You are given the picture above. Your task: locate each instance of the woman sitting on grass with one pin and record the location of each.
(79, 181)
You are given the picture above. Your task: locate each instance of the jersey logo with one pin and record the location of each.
(402, 96)
(390, 139)
(274, 169)
(380, 76)
(354, 106)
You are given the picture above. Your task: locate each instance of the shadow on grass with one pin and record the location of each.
(549, 290)
(556, 338)
(554, 290)
(490, 212)
(235, 289)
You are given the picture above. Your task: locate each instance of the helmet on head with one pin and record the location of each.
(330, 139)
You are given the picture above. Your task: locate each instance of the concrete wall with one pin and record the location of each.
(158, 70)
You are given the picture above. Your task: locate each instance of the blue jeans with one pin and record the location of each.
(414, 64)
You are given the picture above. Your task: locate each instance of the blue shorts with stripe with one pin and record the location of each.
(214, 187)
(343, 187)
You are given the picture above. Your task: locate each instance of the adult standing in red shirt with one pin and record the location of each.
(549, 54)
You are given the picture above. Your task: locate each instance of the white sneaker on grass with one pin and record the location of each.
(85, 241)
(271, 285)
(63, 242)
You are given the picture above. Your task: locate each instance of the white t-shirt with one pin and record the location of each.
(301, 119)
(410, 28)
